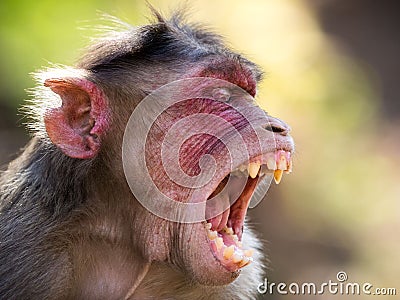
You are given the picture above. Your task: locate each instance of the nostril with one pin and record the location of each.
(275, 128)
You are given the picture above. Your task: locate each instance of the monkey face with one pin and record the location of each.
(211, 151)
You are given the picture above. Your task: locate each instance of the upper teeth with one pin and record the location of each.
(271, 162)
(282, 164)
(277, 162)
(278, 176)
(253, 169)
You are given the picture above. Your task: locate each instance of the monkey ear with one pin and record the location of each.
(78, 126)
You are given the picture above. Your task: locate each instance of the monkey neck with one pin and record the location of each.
(45, 178)
(114, 206)
(86, 190)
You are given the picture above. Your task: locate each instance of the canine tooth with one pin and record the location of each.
(219, 242)
(271, 162)
(253, 169)
(249, 252)
(212, 235)
(228, 252)
(208, 226)
(236, 258)
(278, 176)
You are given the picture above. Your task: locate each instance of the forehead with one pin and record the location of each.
(164, 41)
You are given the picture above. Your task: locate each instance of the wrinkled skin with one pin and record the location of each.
(71, 227)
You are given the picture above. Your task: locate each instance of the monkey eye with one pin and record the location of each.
(222, 94)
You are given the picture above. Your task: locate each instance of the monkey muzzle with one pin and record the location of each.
(225, 230)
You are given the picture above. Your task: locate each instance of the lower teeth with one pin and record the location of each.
(232, 253)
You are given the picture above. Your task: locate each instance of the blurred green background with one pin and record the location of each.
(332, 72)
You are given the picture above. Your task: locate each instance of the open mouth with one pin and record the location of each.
(225, 230)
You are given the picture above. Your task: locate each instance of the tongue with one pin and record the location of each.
(234, 216)
(239, 208)
(217, 202)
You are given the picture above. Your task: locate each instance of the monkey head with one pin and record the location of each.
(165, 115)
